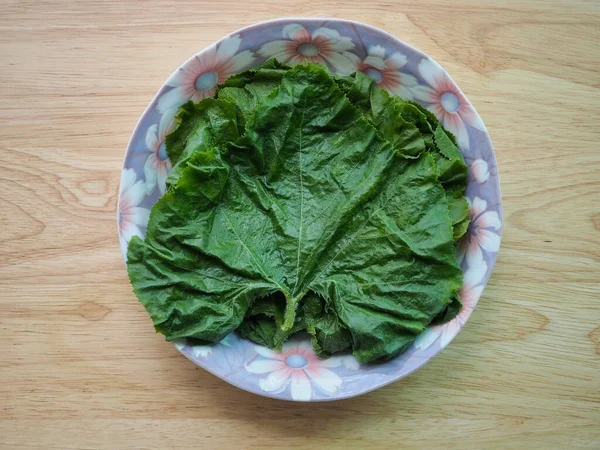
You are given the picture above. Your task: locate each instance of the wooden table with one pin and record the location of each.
(80, 365)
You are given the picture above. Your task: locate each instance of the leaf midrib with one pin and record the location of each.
(301, 196)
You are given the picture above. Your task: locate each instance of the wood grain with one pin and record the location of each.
(80, 367)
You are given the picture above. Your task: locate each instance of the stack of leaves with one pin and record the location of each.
(300, 200)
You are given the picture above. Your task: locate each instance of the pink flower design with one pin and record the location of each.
(479, 170)
(158, 165)
(469, 295)
(386, 72)
(448, 104)
(323, 46)
(199, 77)
(130, 215)
(479, 235)
(299, 367)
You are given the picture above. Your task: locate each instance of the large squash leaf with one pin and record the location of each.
(315, 215)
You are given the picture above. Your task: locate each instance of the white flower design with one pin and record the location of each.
(481, 233)
(322, 46)
(469, 295)
(158, 165)
(130, 215)
(387, 74)
(446, 101)
(479, 170)
(299, 367)
(201, 351)
(199, 77)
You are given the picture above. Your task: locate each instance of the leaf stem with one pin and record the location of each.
(290, 311)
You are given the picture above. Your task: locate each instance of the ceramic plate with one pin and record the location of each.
(344, 47)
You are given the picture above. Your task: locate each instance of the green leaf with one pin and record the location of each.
(399, 269)
(264, 321)
(452, 173)
(248, 88)
(412, 128)
(199, 127)
(187, 290)
(384, 112)
(328, 334)
(271, 68)
(449, 313)
(325, 213)
(452, 168)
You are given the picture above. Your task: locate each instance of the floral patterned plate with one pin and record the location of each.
(344, 47)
